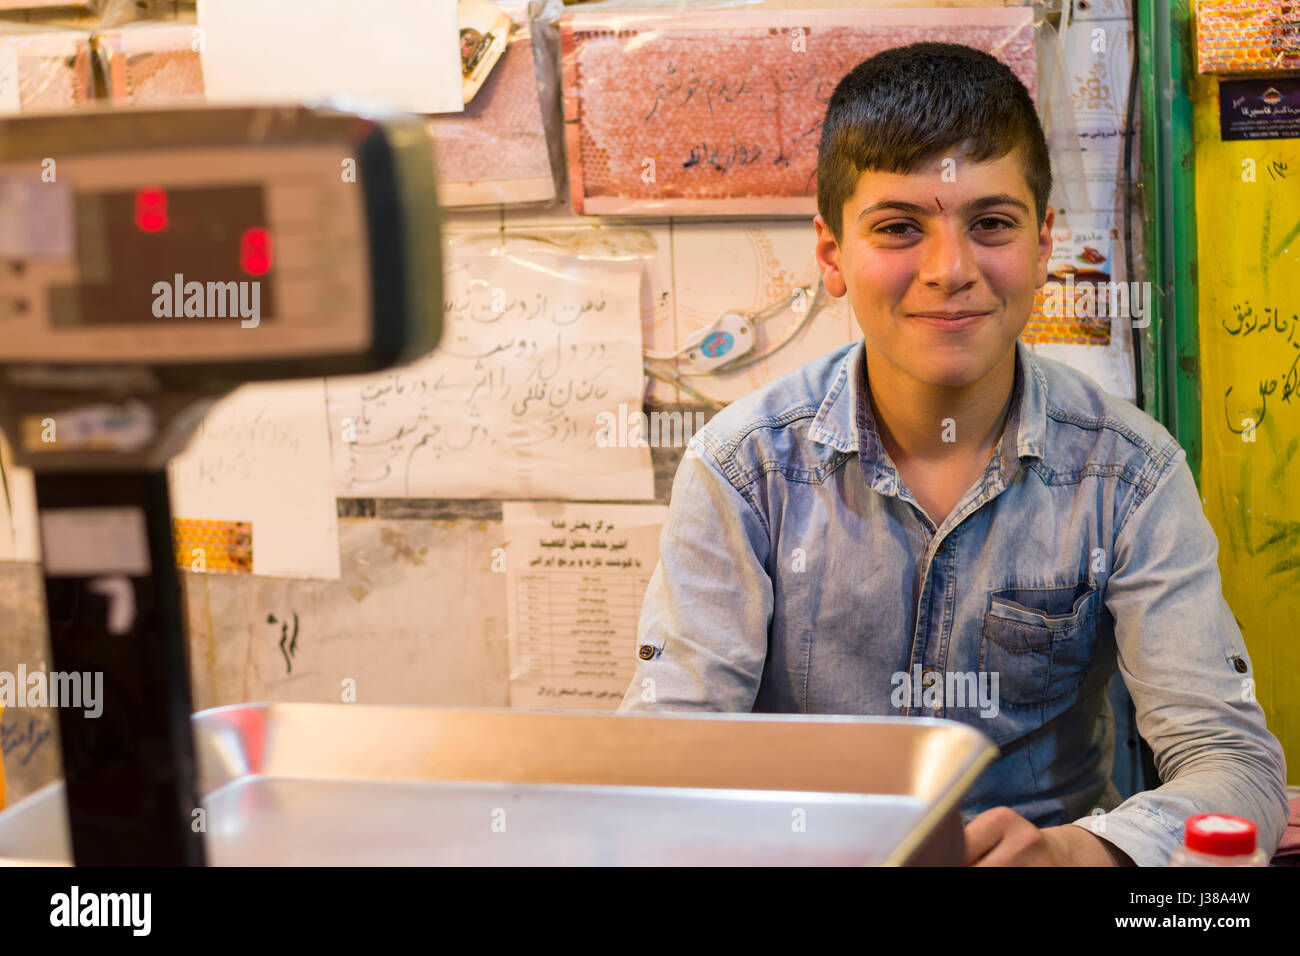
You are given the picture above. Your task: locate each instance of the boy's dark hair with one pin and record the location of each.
(907, 105)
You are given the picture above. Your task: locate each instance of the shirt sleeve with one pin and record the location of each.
(703, 631)
(1193, 688)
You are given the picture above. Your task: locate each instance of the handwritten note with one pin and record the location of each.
(19, 739)
(262, 456)
(538, 351)
(1243, 322)
(576, 578)
(720, 111)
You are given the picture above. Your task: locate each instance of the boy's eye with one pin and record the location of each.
(998, 224)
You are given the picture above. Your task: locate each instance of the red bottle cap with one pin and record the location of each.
(1219, 835)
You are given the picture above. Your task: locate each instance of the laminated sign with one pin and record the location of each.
(720, 112)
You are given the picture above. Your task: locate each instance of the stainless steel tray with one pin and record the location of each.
(346, 784)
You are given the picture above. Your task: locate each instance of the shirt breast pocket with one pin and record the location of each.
(1040, 642)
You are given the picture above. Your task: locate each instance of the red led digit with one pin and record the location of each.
(255, 251)
(151, 209)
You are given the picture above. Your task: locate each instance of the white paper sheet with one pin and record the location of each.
(404, 52)
(576, 578)
(536, 347)
(262, 456)
(19, 537)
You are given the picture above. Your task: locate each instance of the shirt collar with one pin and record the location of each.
(844, 420)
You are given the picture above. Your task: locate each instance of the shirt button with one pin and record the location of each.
(1238, 663)
(646, 652)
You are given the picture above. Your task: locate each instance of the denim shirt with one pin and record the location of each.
(798, 574)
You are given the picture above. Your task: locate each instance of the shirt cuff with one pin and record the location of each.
(1148, 840)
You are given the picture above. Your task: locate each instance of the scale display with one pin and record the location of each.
(214, 254)
(159, 255)
(217, 245)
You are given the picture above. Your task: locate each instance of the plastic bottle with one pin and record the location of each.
(1217, 839)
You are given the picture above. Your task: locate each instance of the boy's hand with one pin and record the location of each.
(1002, 837)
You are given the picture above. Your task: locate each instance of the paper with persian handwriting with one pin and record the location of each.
(539, 349)
(262, 456)
(576, 575)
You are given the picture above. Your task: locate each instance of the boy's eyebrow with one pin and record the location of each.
(973, 206)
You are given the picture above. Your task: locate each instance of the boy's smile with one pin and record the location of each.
(941, 275)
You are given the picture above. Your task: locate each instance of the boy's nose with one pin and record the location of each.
(947, 260)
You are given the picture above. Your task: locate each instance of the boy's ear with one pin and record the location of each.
(1044, 246)
(828, 258)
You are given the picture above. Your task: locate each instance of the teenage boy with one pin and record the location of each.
(934, 522)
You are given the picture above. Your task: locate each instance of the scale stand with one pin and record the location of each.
(130, 772)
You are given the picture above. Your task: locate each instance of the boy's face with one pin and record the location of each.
(969, 247)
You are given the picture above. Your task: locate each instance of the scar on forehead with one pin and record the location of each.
(937, 203)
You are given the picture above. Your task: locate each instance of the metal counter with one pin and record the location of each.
(347, 784)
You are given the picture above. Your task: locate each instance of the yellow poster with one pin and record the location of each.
(1248, 280)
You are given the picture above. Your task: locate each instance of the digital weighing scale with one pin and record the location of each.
(150, 262)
